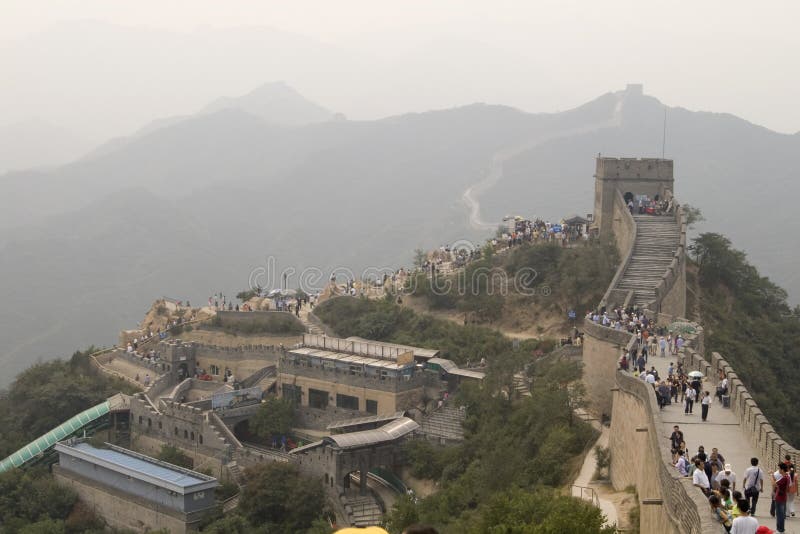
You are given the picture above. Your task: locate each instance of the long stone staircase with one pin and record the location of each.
(445, 423)
(657, 239)
(311, 326)
(364, 511)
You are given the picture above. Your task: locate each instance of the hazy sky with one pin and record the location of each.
(726, 56)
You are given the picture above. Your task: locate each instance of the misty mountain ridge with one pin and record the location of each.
(193, 207)
(274, 102)
(37, 143)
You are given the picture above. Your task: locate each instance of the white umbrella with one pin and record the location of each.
(696, 374)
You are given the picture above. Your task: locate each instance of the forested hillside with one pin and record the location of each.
(517, 452)
(747, 319)
(39, 399)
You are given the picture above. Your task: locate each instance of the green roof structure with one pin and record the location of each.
(47, 441)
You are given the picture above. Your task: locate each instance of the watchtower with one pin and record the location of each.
(645, 176)
(180, 358)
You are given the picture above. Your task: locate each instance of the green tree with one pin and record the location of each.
(541, 512)
(420, 257)
(44, 526)
(278, 498)
(403, 514)
(175, 456)
(273, 418)
(230, 524)
(693, 215)
(27, 496)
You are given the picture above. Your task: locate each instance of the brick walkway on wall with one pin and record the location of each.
(721, 430)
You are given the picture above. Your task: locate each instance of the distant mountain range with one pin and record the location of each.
(37, 143)
(196, 204)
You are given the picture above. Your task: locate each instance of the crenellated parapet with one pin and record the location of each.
(771, 447)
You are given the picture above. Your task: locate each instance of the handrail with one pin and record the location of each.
(583, 491)
(217, 423)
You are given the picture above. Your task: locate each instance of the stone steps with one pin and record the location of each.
(444, 423)
(364, 511)
(657, 239)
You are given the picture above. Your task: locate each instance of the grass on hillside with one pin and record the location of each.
(535, 284)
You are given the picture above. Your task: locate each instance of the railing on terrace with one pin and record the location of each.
(585, 494)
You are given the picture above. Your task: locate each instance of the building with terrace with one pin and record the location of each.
(352, 376)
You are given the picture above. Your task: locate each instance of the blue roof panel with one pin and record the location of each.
(160, 472)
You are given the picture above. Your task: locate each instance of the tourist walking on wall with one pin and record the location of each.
(753, 484)
(780, 495)
(704, 403)
(691, 394)
(787, 461)
(744, 523)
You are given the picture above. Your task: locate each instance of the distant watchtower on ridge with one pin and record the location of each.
(617, 177)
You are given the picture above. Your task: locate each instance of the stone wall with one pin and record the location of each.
(649, 176)
(242, 361)
(124, 511)
(624, 228)
(770, 445)
(181, 426)
(668, 503)
(602, 348)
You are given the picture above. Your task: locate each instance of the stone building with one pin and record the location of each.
(133, 491)
(353, 376)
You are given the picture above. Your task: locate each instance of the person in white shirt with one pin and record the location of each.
(729, 475)
(682, 466)
(699, 477)
(690, 396)
(744, 523)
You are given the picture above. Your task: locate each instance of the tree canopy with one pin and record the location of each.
(747, 319)
(276, 499)
(273, 418)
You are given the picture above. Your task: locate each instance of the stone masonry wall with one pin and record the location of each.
(121, 510)
(668, 503)
(602, 348)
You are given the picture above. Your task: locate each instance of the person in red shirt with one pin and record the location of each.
(792, 485)
(781, 493)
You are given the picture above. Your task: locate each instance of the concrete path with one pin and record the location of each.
(585, 479)
(130, 369)
(721, 430)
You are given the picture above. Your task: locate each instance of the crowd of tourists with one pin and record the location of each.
(643, 204)
(733, 500)
(539, 231)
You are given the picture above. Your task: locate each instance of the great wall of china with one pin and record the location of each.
(652, 276)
